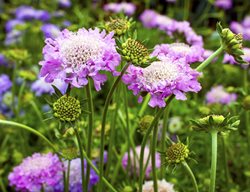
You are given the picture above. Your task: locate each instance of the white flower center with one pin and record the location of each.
(160, 71)
(180, 47)
(36, 164)
(79, 49)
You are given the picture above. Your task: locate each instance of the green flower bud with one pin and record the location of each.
(246, 103)
(67, 108)
(177, 153)
(232, 43)
(127, 189)
(69, 132)
(70, 153)
(119, 26)
(145, 123)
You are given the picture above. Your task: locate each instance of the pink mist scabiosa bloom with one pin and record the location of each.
(180, 50)
(73, 57)
(127, 8)
(148, 18)
(163, 186)
(36, 171)
(219, 95)
(162, 79)
(135, 167)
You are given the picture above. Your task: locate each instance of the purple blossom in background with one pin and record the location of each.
(246, 57)
(148, 18)
(41, 87)
(219, 95)
(135, 167)
(180, 50)
(13, 37)
(162, 79)
(224, 4)
(127, 8)
(75, 178)
(11, 24)
(66, 23)
(64, 3)
(246, 21)
(35, 171)
(50, 30)
(163, 186)
(5, 84)
(73, 57)
(170, 1)
(243, 27)
(3, 60)
(42, 15)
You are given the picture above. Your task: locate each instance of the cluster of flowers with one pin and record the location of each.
(123, 7)
(46, 171)
(152, 19)
(242, 27)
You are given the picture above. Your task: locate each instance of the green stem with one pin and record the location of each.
(67, 178)
(20, 93)
(163, 145)
(90, 130)
(191, 174)
(226, 171)
(214, 135)
(105, 110)
(145, 138)
(186, 9)
(81, 156)
(19, 125)
(84, 155)
(153, 148)
(210, 59)
(2, 187)
(144, 105)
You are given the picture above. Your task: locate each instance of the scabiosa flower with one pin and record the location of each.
(3, 60)
(135, 167)
(64, 3)
(148, 18)
(218, 95)
(75, 56)
(40, 86)
(127, 8)
(5, 83)
(223, 4)
(162, 79)
(75, 177)
(36, 171)
(50, 30)
(27, 13)
(163, 186)
(242, 27)
(11, 24)
(180, 50)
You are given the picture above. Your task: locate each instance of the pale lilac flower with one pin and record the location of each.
(36, 171)
(236, 27)
(163, 186)
(73, 57)
(5, 84)
(27, 13)
(223, 4)
(11, 24)
(3, 60)
(148, 18)
(246, 22)
(165, 23)
(243, 27)
(42, 15)
(162, 79)
(50, 30)
(64, 3)
(127, 8)
(40, 86)
(180, 50)
(134, 161)
(219, 95)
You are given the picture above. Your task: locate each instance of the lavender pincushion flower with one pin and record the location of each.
(73, 57)
(163, 186)
(5, 83)
(3, 60)
(148, 18)
(127, 8)
(219, 95)
(135, 167)
(11, 24)
(162, 79)
(27, 13)
(50, 30)
(64, 3)
(223, 4)
(36, 171)
(180, 50)
(40, 86)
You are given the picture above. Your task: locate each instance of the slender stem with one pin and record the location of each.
(144, 105)
(27, 128)
(20, 93)
(84, 155)
(153, 147)
(90, 130)
(67, 178)
(81, 155)
(186, 9)
(145, 138)
(226, 171)
(191, 174)
(214, 135)
(163, 145)
(210, 58)
(105, 110)
(2, 187)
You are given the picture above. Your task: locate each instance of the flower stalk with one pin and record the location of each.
(214, 135)
(191, 174)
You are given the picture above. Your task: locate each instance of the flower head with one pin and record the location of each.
(64, 3)
(163, 186)
(219, 95)
(223, 4)
(29, 13)
(180, 50)
(36, 171)
(133, 159)
(145, 123)
(50, 30)
(148, 18)
(127, 8)
(75, 56)
(177, 153)
(5, 83)
(162, 79)
(118, 25)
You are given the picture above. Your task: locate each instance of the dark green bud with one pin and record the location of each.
(145, 123)
(67, 108)
(246, 103)
(177, 153)
(119, 26)
(70, 153)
